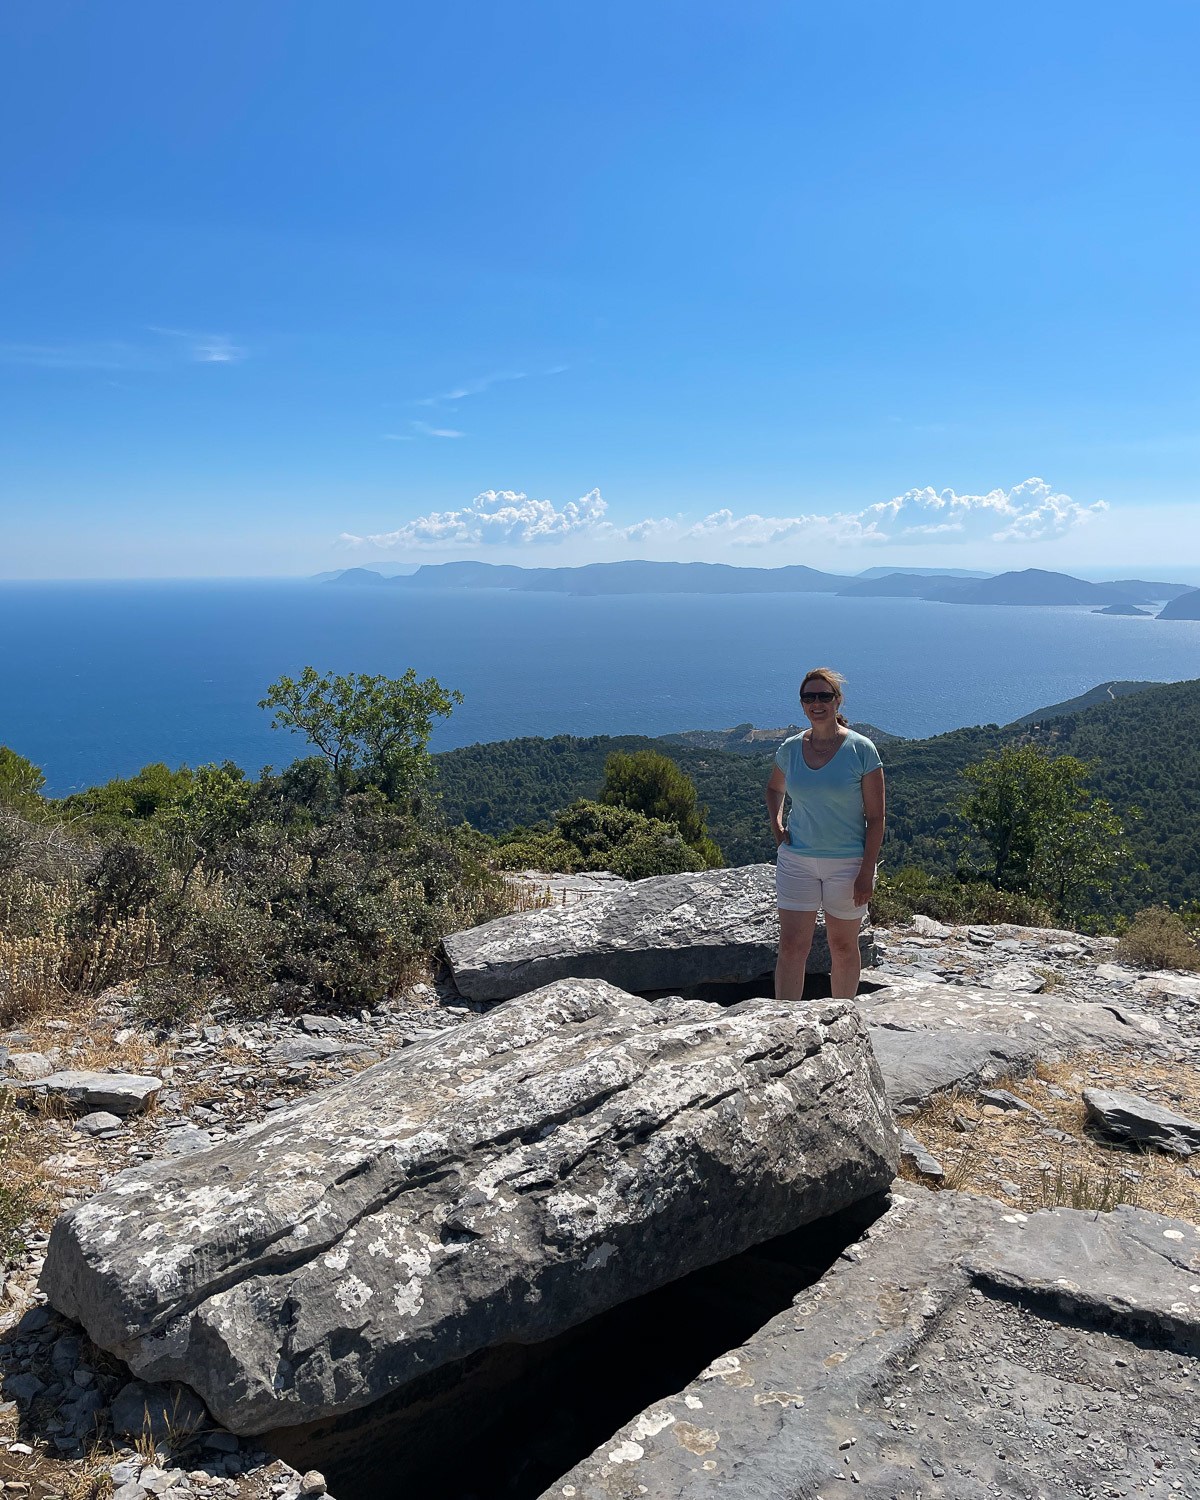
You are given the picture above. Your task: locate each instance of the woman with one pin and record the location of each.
(826, 852)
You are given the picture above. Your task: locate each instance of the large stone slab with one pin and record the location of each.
(918, 1064)
(959, 1351)
(670, 932)
(933, 1037)
(494, 1184)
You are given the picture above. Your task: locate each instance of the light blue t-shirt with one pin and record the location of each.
(826, 820)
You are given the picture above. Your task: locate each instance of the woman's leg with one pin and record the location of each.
(795, 939)
(845, 961)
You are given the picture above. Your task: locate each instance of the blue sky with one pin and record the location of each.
(294, 285)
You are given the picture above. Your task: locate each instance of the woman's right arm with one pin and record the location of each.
(776, 791)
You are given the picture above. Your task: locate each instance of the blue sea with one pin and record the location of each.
(98, 679)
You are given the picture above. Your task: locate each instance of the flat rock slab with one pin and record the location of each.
(1129, 1269)
(670, 932)
(1127, 1117)
(930, 1362)
(916, 1065)
(933, 1037)
(1065, 1025)
(116, 1093)
(497, 1183)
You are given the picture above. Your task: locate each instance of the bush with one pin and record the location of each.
(910, 892)
(1159, 938)
(595, 836)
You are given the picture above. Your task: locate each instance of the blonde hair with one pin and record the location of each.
(834, 681)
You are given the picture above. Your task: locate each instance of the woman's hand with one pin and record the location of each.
(864, 885)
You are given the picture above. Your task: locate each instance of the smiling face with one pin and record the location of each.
(820, 712)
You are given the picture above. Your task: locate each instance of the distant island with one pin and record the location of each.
(1028, 586)
(1182, 607)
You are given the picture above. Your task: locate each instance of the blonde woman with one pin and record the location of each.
(827, 851)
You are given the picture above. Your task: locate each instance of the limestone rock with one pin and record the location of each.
(117, 1093)
(911, 1369)
(918, 1064)
(666, 933)
(1129, 1268)
(29, 1065)
(494, 1184)
(922, 1161)
(160, 1413)
(101, 1122)
(1127, 1117)
(1055, 1024)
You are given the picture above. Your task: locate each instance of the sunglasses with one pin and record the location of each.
(817, 697)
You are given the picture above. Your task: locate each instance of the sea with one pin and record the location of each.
(100, 678)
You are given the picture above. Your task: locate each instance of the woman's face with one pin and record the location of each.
(820, 712)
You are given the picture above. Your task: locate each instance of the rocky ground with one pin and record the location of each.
(1033, 1143)
(65, 1423)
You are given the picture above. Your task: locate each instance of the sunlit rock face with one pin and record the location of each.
(499, 1183)
(669, 932)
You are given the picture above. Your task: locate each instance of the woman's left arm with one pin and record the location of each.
(874, 811)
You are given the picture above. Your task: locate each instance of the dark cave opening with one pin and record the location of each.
(506, 1423)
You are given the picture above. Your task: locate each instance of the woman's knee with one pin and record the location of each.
(794, 949)
(844, 944)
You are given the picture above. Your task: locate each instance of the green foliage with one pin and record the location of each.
(21, 782)
(1159, 938)
(1143, 751)
(1048, 835)
(128, 799)
(651, 783)
(594, 836)
(329, 882)
(902, 895)
(373, 731)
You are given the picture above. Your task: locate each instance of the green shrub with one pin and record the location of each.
(1159, 938)
(901, 896)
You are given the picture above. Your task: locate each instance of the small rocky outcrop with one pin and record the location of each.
(669, 933)
(87, 1091)
(1140, 1122)
(495, 1184)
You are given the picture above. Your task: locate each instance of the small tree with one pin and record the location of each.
(653, 784)
(373, 731)
(1049, 836)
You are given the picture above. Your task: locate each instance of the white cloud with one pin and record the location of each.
(477, 386)
(422, 429)
(202, 348)
(496, 517)
(120, 355)
(1029, 512)
(471, 388)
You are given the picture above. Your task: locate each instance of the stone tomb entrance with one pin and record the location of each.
(507, 1423)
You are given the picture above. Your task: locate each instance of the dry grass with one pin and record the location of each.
(44, 962)
(1080, 1171)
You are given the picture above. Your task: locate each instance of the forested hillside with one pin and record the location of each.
(1145, 748)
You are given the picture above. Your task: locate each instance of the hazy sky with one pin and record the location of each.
(843, 284)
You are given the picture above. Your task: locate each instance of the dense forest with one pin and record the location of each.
(1143, 750)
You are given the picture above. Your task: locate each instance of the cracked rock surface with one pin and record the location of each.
(956, 1351)
(502, 1181)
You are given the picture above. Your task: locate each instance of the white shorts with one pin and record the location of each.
(803, 883)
